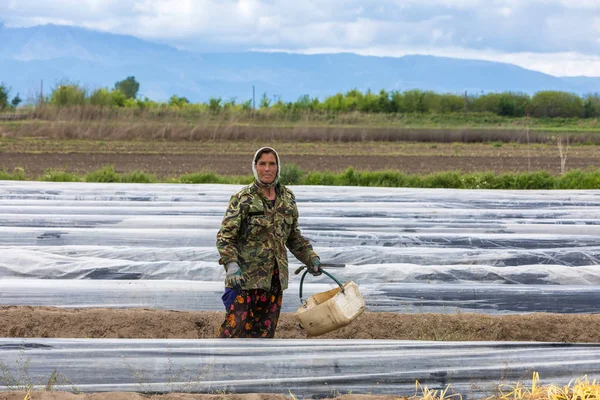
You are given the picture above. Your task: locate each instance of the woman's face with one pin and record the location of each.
(266, 167)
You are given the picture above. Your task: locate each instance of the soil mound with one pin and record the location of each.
(25, 321)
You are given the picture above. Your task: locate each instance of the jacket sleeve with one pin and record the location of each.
(227, 238)
(299, 246)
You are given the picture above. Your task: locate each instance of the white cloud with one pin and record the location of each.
(579, 4)
(458, 4)
(562, 36)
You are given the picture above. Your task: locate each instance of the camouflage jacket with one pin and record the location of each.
(255, 235)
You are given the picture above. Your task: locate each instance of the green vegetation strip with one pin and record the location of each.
(292, 175)
(124, 96)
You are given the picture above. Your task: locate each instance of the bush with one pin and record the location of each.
(442, 180)
(18, 174)
(578, 179)
(534, 180)
(68, 94)
(118, 98)
(291, 174)
(59, 176)
(320, 178)
(4, 91)
(129, 87)
(211, 177)
(105, 174)
(138, 177)
(553, 104)
(200, 177)
(101, 97)
(575, 179)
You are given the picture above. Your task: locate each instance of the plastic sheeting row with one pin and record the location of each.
(300, 367)
(398, 298)
(397, 243)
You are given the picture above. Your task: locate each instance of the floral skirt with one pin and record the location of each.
(253, 313)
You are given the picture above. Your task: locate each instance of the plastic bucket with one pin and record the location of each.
(327, 311)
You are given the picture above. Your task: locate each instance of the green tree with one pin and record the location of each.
(511, 104)
(68, 94)
(230, 104)
(129, 87)
(247, 105)
(335, 103)
(352, 100)
(214, 104)
(178, 101)
(101, 97)
(117, 98)
(591, 107)
(16, 101)
(4, 91)
(369, 102)
(383, 102)
(265, 102)
(303, 103)
(557, 104)
(397, 102)
(489, 102)
(449, 103)
(415, 101)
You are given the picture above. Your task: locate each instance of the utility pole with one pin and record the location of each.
(42, 92)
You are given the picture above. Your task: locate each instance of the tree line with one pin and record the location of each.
(543, 104)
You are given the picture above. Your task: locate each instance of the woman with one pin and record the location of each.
(260, 222)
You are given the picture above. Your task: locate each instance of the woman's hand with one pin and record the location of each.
(234, 277)
(315, 269)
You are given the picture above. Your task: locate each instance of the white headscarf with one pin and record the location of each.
(255, 160)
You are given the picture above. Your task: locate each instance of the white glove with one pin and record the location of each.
(234, 276)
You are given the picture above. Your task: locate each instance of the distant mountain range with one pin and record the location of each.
(96, 59)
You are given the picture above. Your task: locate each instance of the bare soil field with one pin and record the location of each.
(26, 321)
(172, 159)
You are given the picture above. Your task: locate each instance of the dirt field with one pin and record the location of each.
(172, 159)
(24, 321)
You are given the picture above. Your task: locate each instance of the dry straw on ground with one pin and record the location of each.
(577, 389)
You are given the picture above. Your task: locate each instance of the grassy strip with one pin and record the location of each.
(575, 179)
(292, 175)
(116, 130)
(192, 113)
(353, 119)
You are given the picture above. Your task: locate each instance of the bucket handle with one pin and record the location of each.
(326, 273)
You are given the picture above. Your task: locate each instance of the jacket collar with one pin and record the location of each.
(254, 188)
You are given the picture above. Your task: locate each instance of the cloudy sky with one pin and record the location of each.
(559, 37)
